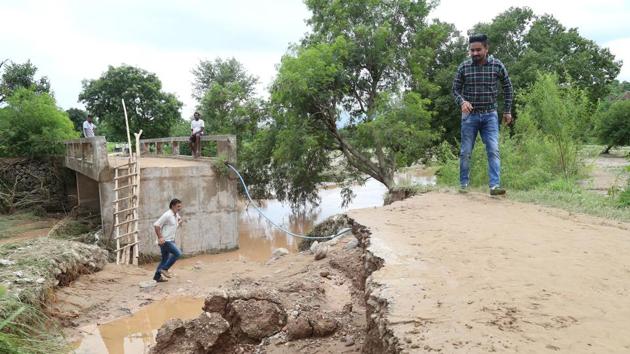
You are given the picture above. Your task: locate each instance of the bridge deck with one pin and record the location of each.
(146, 162)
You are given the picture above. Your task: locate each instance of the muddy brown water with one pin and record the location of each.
(258, 238)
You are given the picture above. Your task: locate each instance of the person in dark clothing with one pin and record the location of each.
(475, 89)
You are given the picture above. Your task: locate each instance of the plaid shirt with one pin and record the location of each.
(477, 84)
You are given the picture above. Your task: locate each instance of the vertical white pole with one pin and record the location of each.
(127, 125)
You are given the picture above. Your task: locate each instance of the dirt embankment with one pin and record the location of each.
(30, 270)
(476, 274)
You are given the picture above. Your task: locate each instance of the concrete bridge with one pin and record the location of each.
(210, 210)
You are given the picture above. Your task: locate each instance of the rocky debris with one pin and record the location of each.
(349, 340)
(352, 244)
(298, 328)
(254, 320)
(321, 252)
(313, 247)
(216, 302)
(208, 333)
(323, 324)
(315, 324)
(349, 263)
(328, 227)
(279, 252)
(298, 311)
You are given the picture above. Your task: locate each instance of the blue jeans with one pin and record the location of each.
(170, 253)
(487, 125)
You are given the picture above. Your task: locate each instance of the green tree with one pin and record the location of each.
(77, 116)
(613, 126)
(32, 125)
(15, 76)
(226, 98)
(561, 115)
(148, 107)
(441, 49)
(528, 44)
(343, 105)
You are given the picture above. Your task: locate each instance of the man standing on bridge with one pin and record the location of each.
(88, 127)
(165, 228)
(475, 89)
(196, 128)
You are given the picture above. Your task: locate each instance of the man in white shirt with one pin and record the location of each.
(165, 228)
(196, 127)
(88, 127)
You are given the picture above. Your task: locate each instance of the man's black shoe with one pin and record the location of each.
(497, 191)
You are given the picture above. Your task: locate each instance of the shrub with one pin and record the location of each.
(613, 126)
(32, 125)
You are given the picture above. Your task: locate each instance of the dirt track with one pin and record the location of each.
(473, 274)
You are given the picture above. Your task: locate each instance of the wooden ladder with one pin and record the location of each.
(126, 202)
(126, 199)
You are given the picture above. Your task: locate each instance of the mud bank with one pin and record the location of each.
(474, 274)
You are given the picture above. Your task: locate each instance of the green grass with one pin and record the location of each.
(111, 145)
(34, 268)
(578, 202)
(25, 329)
(13, 224)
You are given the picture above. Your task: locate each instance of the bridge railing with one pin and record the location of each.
(87, 155)
(212, 146)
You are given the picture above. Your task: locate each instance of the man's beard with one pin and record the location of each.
(477, 59)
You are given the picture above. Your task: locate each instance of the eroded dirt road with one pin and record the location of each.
(475, 274)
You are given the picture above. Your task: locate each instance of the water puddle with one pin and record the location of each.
(134, 334)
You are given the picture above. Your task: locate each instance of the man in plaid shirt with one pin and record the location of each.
(475, 89)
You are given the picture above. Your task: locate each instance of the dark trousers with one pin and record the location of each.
(170, 254)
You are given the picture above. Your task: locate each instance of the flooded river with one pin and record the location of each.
(258, 238)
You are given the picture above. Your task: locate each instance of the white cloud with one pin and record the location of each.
(71, 40)
(621, 49)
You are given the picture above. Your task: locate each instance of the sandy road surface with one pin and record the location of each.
(473, 274)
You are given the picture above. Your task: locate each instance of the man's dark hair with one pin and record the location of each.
(90, 116)
(479, 37)
(174, 202)
(197, 113)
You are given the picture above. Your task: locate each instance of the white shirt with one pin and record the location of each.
(168, 222)
(88, 129)
(196, 125)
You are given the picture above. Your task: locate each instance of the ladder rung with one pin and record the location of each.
(123, 187)
(125, 222)
(125, 210)
(126, 176)
(126, 165)
(124, 235)
(125, 198)
(127, 246)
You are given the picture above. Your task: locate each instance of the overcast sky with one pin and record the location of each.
(72, 40)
